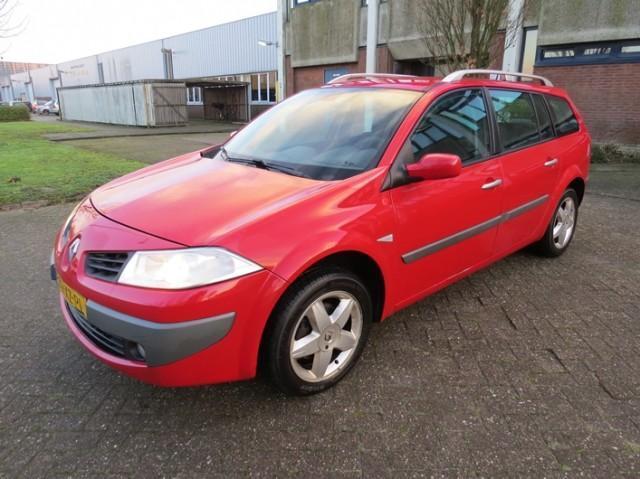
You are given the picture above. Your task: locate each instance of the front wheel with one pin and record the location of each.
(319, 331)
(562, 227)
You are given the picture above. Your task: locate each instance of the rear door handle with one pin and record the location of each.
(550, 163)
(492, 184)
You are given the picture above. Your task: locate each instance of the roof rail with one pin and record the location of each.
(460, 74)
(354, 76)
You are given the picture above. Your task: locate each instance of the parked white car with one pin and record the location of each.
(50, 107)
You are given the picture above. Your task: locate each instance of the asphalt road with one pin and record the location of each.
(528, 368)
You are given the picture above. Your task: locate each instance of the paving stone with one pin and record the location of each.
(528, 368)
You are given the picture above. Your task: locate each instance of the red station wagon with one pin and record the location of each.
(329, 212)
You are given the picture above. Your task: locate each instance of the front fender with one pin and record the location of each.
(303, 258)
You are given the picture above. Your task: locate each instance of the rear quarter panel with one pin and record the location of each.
(574, 154)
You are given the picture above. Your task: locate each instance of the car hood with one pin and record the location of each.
(195, 201)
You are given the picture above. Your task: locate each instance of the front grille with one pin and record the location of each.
(107, 342)
(106, 266)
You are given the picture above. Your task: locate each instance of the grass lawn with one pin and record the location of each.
(35, 169)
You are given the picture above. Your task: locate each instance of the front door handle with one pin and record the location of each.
(551, 162)
(492, 184)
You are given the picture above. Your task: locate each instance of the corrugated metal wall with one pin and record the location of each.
(138, 62)
(83, 71)
(228, 49)
(42, 85)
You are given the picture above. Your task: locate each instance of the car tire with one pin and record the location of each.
(327, 313)
(562, 226)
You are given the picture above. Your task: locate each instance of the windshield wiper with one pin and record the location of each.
(262, 164)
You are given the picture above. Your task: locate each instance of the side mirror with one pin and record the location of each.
(436, 166)
(233, 133)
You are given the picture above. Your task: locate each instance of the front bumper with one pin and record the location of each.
(204, 335)
(126, 336)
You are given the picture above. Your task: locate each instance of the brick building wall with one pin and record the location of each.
(608, 96)
(303, 78)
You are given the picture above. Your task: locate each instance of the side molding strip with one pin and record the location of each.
(431, 248)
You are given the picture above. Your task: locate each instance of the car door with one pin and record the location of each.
(530, 167)
(445, 227)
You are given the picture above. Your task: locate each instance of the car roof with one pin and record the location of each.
(404, 82)
(534, 83)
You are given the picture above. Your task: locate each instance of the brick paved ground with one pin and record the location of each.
(531, 367)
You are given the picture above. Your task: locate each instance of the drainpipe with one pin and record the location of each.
(513, 36)
(281, 50)
(372, 35)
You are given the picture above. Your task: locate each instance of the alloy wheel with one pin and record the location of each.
(564, 223)
(326, 336)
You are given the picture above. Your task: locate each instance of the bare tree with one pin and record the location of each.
(9, 25)
(463, 33)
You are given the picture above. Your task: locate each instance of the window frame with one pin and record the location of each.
(553, 119)
(302, 3)
(365, 3)
(579, 58)
(501, 148)
(396, 175)
(267, 87)
(555, 136)
(489, 111)
(546, 107)
(193, 89)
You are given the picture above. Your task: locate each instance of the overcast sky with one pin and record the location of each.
(61, 30)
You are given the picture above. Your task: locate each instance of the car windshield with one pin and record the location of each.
(324, 134)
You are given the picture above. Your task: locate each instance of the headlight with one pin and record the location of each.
(184, 268)
(64, 237)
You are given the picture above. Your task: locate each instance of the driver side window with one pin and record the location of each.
(456, 123)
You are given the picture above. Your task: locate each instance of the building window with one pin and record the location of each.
(194, 95)
(297, 3)
(597, 51)
(333, 73)
(559, 53)
(366, 2)
(263, 87)
(589, 53)
(631, 49)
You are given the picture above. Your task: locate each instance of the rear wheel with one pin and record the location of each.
(562, 227)
(319, 331)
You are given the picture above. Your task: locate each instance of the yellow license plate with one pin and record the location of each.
(74, 298)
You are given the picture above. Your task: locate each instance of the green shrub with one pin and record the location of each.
(609, 153)
(18, 112)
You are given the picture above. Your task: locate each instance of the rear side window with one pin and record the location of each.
(515, 117)
(563, 117)
(456, 124)
(544, 120)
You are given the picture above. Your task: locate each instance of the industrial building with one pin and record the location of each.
(236, 70)
(12, 68)
(589, 47)
(225, 57)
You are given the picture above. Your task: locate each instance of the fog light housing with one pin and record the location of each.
(135, 351)
(140, 350)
